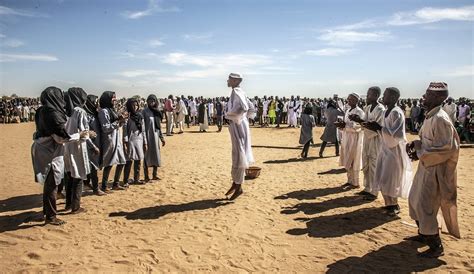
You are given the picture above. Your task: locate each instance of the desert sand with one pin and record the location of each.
(293, 218)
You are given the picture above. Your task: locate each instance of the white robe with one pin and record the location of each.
(292, 114)
(451, 111)
(351, 146)
(435, 182)
(393, 175)
(182, 111)
(371, 148)
(239, 130)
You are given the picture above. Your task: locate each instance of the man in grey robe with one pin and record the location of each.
(153, 136)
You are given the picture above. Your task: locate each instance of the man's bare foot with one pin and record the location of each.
(231, 189)
(54, 221)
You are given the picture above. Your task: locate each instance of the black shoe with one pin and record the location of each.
(364, 193)
(417, 238)
(432, 252)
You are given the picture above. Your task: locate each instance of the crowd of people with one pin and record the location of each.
(181, 111)
(78, 134)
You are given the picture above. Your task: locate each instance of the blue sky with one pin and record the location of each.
(282, 47)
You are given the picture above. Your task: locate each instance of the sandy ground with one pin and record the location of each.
(294, 217)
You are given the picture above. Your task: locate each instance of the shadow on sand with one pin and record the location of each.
(277, 147)
(15, 222)
(291, 160)
(342, 224)
(320, 207)
(311, 194)
(333, 171)
(156, 212)
(394, 258)
(24, 202)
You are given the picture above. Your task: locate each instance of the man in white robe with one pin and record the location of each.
(239, 130)
(435, 182)
(292, 112)
(351, 143)
(450, 108)
(373, 113)
(181, 112)
(393, 167)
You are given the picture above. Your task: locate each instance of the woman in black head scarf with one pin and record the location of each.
(91, 105)
(48, 150)
(134, 141)
(76, 158)
(52, 115)
(106, 101)
(111, 140)
(152, 117)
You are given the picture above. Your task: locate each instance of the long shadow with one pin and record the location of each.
(342, 224)
(21, 202)
(197, 131)
(156, 212)
(15, 222)
(333, 171)
(315, 208)
(311, 193)
(394, 258)
(277, 147)
(291, 160)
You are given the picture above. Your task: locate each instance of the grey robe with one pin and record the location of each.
(111, 141)
(94, 125)
(135, 141)
(307, 124)
(76, 158)
(153, 136)
(330, 131)
(47, 154)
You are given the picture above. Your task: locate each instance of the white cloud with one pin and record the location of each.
(431, 15)
(462, 71)
(4, 57)
(371, 23)
(2, 35)
(155, 43)
(154, 6)
(17, 12)
(139, 73)
(12, 43)
(200, 38)
(329, 52)
(349, 37)
(225, 60)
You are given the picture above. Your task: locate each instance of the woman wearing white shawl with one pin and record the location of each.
(236, 113)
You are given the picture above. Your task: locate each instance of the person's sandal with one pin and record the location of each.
(55, 221)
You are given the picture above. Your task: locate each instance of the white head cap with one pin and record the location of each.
(355, 95)
(235, 75)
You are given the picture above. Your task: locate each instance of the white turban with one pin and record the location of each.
(235, 75)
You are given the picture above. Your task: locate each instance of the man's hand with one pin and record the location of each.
(163, 143)
(355, 118)
(96, 151)
(340, 124)
(84, 134)
(125, 146)
(92, 134)
(374, 126)
(145, 147)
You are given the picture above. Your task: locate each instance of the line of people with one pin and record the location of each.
(78, 134)
(374, 140)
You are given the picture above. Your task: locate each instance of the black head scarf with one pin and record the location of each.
(52, 115)
(105, 102)
(77, 96)
(136, 116)
(68, 104)
(155, 110)
(91, 105)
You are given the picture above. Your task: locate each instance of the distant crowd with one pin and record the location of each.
(270, 111)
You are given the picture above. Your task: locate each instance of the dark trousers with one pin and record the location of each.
(49, 196)
(73, 192)
(306, 148)
(219, 122)
(278, 118)
(93, 178)
(105, 175)
(283, 117)
(61, 186)
(323, 146)
(136, 170)
(145, 169)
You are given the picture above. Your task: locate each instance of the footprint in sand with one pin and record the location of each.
(33, 256)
